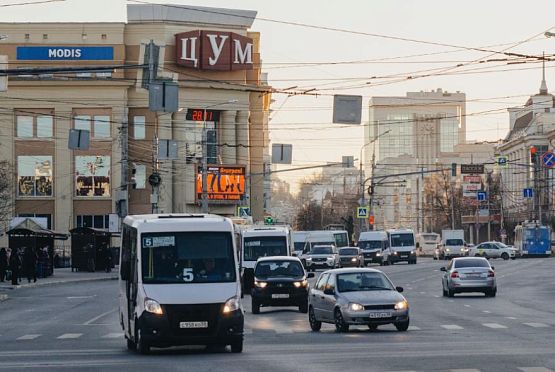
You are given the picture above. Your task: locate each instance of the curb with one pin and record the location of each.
(44, 284)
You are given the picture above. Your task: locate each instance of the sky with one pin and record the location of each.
(493, 25)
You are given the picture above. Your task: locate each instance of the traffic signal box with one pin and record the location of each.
(533, 155)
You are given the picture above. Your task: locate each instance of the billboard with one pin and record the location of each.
(224, 183)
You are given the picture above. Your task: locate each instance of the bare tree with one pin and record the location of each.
(6, 191)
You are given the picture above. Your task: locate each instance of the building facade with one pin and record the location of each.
(209, 53)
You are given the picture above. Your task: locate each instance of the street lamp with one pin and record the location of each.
(549, 34)
(204, 197)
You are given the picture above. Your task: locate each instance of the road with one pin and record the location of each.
(74, 326)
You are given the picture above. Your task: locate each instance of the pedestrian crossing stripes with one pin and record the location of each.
(494, 325)
(536, 325)
(451, 326)
(67, 336)
(27, 337)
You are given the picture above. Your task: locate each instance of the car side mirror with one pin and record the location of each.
(294, 254)
(443, 269)
(329, 291)
(399, 289)
(310, 275)
(493, 267)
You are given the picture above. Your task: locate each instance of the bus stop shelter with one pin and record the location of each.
(87, 248)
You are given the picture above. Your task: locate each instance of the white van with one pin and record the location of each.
(179, 282)
(263, 241)
(427, 243)
(373, 243)
(401, 247)
(299, 240)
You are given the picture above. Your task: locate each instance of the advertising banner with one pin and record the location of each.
(224, 183)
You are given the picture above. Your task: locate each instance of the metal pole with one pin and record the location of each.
(204, 200)
(123, 205)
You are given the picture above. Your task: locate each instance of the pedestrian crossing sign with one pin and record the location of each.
(362, 212)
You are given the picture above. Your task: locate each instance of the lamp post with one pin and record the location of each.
(204, 166)
(361, 175)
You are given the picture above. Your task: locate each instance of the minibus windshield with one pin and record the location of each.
(187, 257)
(264, 246)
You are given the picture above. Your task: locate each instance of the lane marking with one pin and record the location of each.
(466, 305)
(114, 335)
(99, 316)
(465, 370)
(494, 325)
(247, 331)
(451, 326)
(79, 297)
(510, 317)
(28, 337)
(437, 296)
(486, 311)
(537, 325)
(67, 336)
(535, 369)
(414, 328)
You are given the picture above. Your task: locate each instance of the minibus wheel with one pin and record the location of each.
(237, 347)
(142, 346)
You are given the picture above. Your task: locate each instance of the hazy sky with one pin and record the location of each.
(518, 25)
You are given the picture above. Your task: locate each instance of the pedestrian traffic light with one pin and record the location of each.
(454, 169)
(533, 155)
(268, 220)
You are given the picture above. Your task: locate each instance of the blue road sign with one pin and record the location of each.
(528, 192)
(502, 161)
(362, 212)
(548, 159)
(481, 195)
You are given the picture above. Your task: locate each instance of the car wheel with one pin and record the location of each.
(372, 327)
(315, 325)
(505, 256)
(450, 293)
(491, 293)
(140, 344)
(444, 291)
(340, 325)
(402, 326)
(303, 308)
(255, 306)
(237, 347)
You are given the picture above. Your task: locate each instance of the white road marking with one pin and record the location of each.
(537, 325)
(451, 326)
(467, 305)
(99, 316)
(247, 331)
(414, 328)
(79, 297)
(494, 325)
(437, 296)
(28, 337)
(113, 335)
(465, 370)
(67, 336)
(535, 369)
(510, 317)
(486, 311)
(422, 292)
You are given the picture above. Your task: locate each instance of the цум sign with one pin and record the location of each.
(65, 53)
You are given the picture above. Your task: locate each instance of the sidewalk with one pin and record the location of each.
(61, 276)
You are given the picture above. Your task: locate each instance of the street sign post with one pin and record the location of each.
(481, 195)
(502, 161)
(362, 212)
(548, 159)
(528, 192)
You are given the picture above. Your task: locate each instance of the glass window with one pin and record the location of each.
(139, 176)
(187, 257)
(330, 285)
(87, 221)
(370, 244)
(258, 246)
(341, 239)
(34, 175)
(92, 176)
(402, 240)
(139, 127)
(399, 139)
(82, 122)
(45, 126)
(98, 222)
(449, 134)
(322, 282)
(102, 127)
(322, 250)
(348, 252)
(25, 126)
(471, 262)
(289, 269)
(365, 281)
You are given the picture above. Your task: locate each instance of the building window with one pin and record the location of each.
(39, 218)
(82, 122)
(139, 127)
(31, 126)
(45, 126)
(399, 139)
(34, 175)
(95, 221)
(25, 126)
(92, 176)
(449, 129)
(139, 176)
(98, 125)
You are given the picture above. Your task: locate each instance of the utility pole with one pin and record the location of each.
(124, 187)
(204, 200)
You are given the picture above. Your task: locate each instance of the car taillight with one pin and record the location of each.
(454, 274)
(491, 274)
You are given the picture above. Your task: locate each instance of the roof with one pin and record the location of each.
(278, 258)
(28, 227)
(174, 218)
(520, 124)
(148, 13)
(348, 270)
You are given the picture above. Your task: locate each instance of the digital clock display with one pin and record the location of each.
(203, 115)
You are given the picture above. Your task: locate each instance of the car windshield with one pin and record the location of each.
(402, 240)
(471, 262)
(363, 281)
(428, 238)
(299, 246)
(187, 257)
(348, 252)
(264, 246)
(370, 244)
(454, 242)
(270, 269)
(321, 250)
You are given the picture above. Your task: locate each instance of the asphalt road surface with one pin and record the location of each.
(75, 327)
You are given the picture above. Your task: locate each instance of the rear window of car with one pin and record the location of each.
(471, 262)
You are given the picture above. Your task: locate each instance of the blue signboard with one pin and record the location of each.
(528, 193)
(481, 195)
(65, 53)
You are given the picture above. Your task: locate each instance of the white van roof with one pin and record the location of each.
(266, 231)
(372, 235)
(178, 222)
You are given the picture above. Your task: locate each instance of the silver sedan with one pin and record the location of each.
(354, 296)
(469, 274)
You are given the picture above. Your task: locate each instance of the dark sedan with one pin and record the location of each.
(351, 257)
(280, 281)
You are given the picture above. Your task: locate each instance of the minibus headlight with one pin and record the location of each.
(153, 307)
(231, 305)
(260, 284)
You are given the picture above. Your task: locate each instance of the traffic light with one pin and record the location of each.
(533, 155)
(453, 169)
(268, 220)
(371, 219)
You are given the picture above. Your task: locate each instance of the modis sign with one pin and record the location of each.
(223, 183)
(63, 53)
(214, 50)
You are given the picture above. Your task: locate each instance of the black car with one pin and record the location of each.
(280, 281)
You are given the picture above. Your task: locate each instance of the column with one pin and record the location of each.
(228, 138)
(176, 181)
(64, 188)
(242, 135)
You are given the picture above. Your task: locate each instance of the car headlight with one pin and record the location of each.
(447, 249)
(231, 305)
(378, 254)
(402, 305)
(395, 253)
(153, 307)
(260, 284)
(353, 259)
(353, 306)
(330, 258)
(309, 258)
(300, 284)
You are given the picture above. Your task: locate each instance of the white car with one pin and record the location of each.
(492, 250)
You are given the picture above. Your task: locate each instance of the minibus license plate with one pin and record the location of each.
(380, 315)
(193, 324)
(279, 295)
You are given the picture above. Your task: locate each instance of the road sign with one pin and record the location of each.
(481, 195)
(362, 212)
(528, 192)
(502, 161)
(243, 211)
(548, 159)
